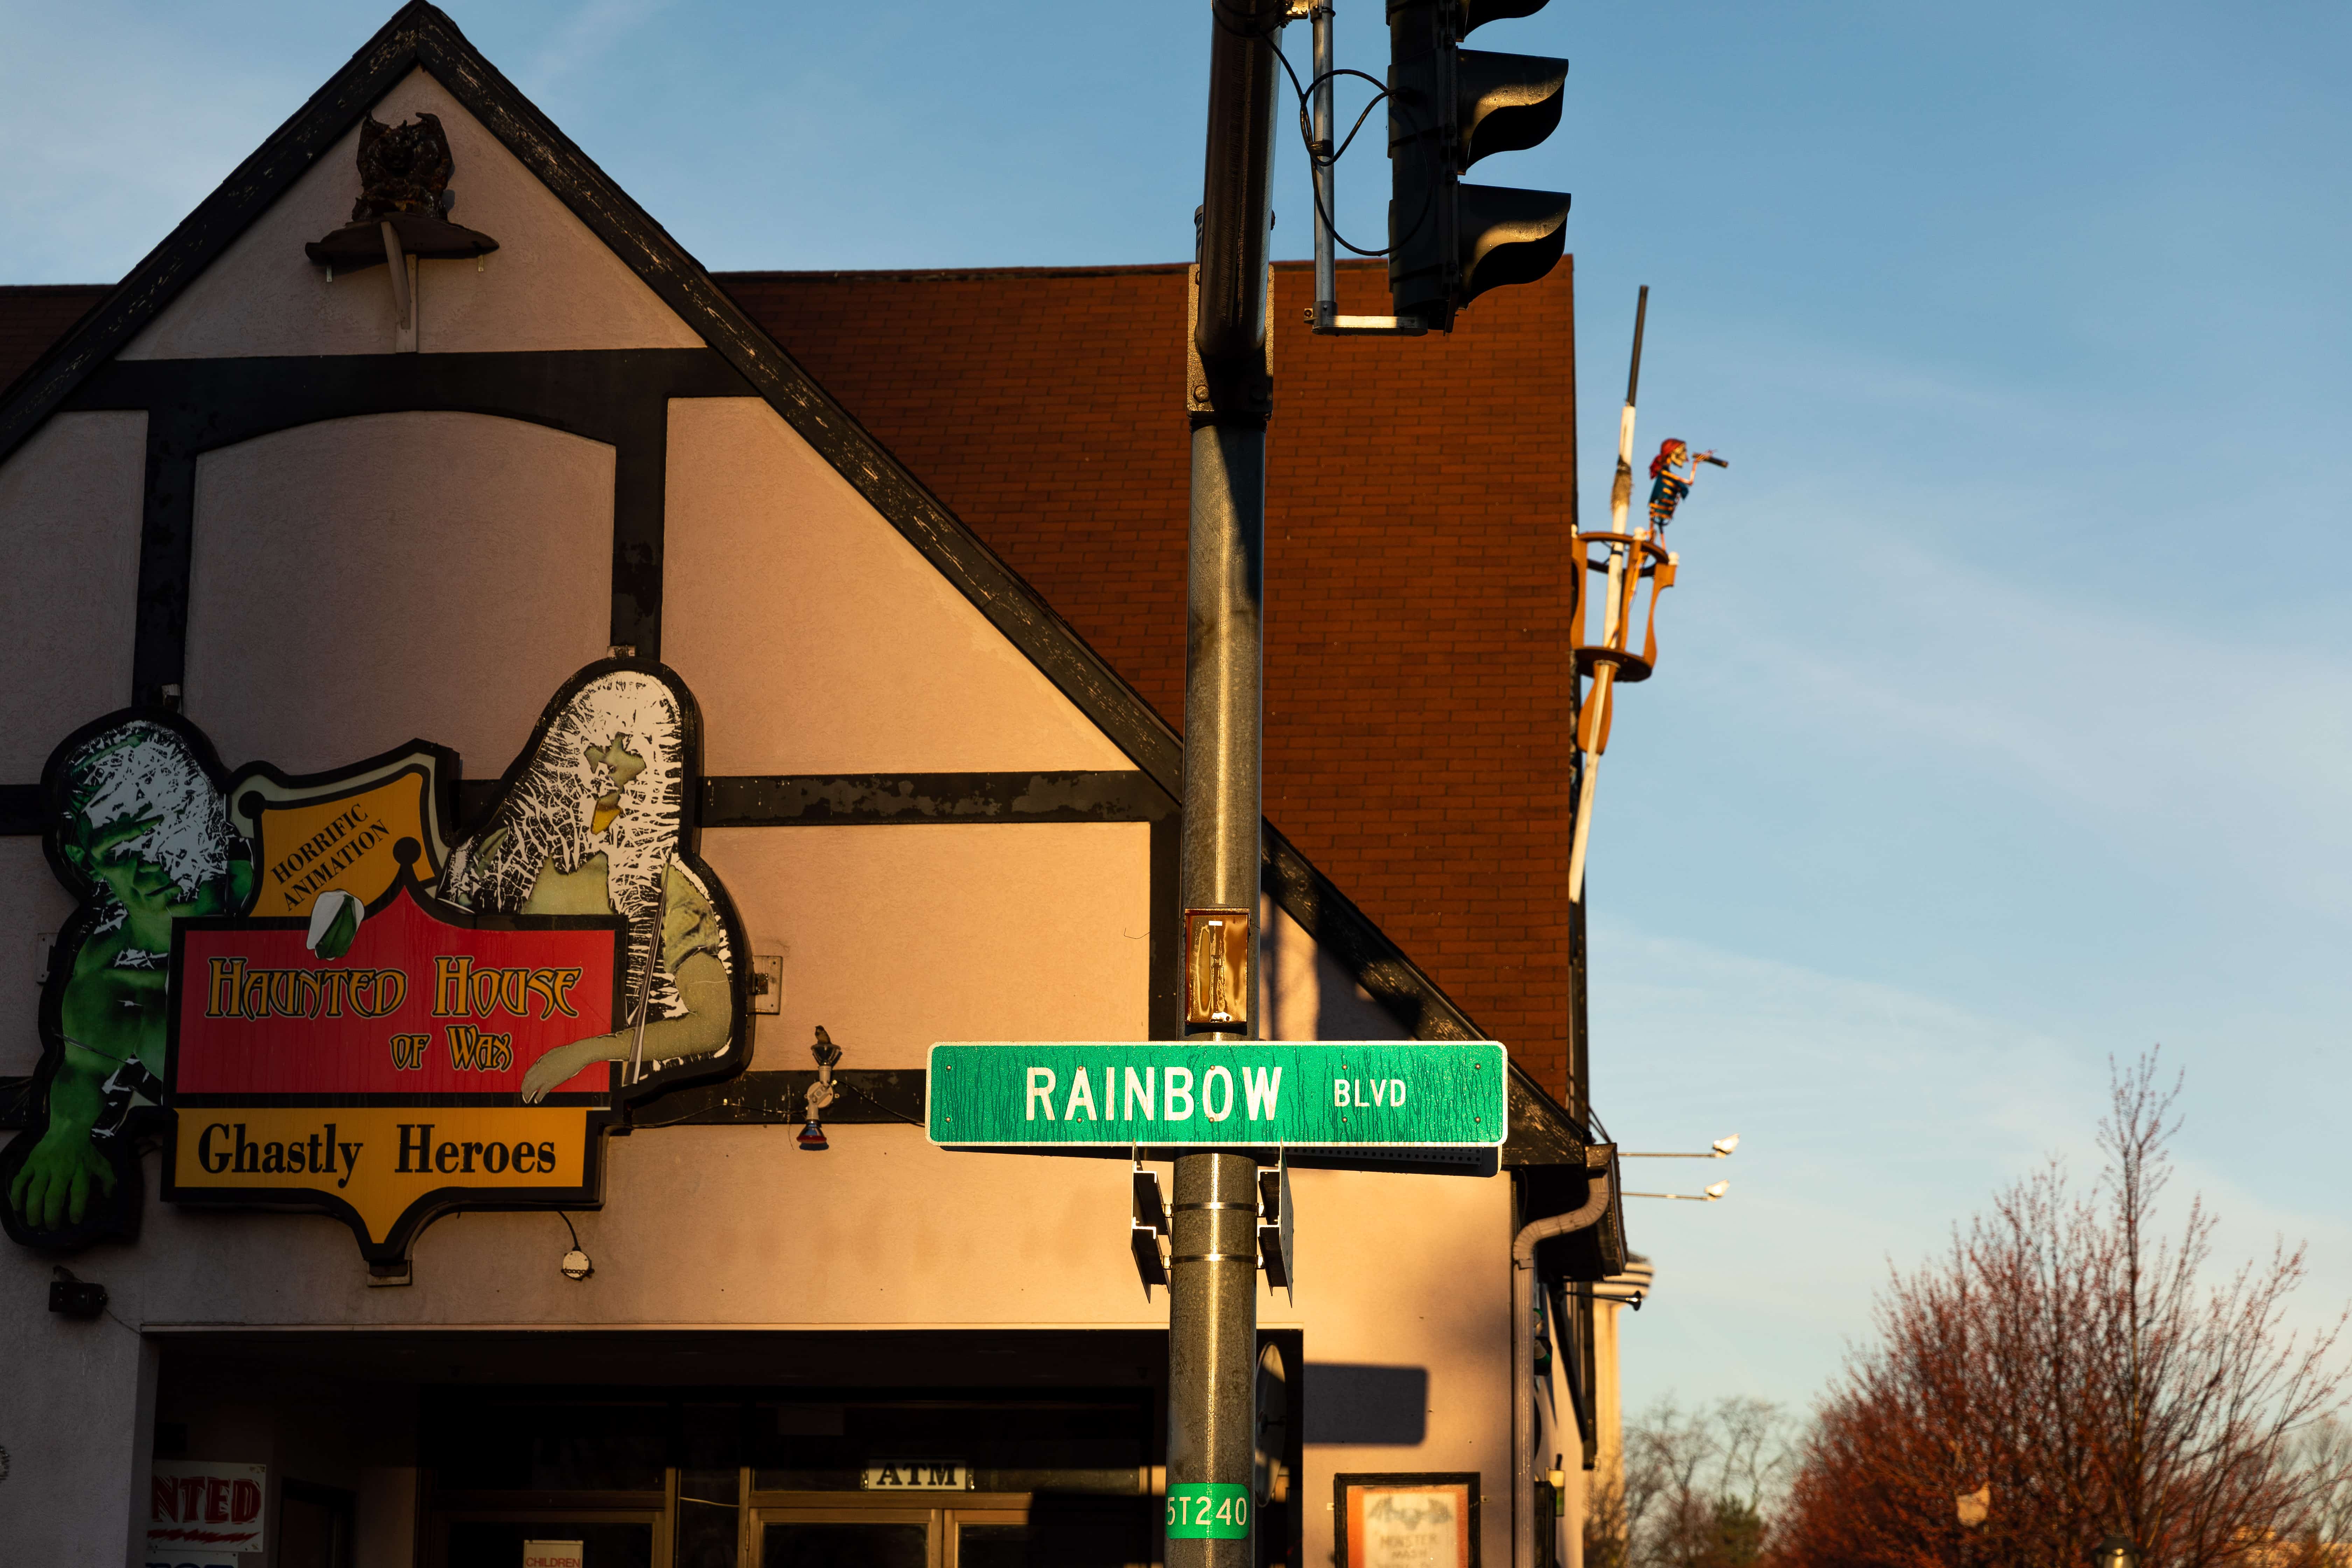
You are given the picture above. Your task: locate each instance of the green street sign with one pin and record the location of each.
(1208, 1510)
(1319, 1094)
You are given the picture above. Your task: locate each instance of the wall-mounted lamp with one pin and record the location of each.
(1630, 1288)
(821, 1093)
(575, 1264)
(1721, 1149)
(1707, 1196)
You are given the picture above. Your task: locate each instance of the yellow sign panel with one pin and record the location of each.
(308, 847)
(384, 1161)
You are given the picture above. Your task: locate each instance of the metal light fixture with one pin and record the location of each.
(1629, 1289)
(1721, 1149)
(575, 1264)
(2115, 1552)
(1707, 1196)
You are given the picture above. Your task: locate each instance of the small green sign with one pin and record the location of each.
(1315, 1094)
(1208, 1510)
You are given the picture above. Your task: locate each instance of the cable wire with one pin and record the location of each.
(1316, 159)
(876, 1103)
(1331, 160)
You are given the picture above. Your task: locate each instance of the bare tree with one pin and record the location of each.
(2322, 1452)
(1605, 1543)
(1699, 1486)
(2069, 1356)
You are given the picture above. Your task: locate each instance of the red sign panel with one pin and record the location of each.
(418, 1006)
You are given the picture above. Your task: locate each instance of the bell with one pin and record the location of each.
(813, 1136)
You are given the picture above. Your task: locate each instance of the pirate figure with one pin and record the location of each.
(1671, 472)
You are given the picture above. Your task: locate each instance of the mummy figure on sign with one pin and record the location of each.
(593, 823)
(1671, 472)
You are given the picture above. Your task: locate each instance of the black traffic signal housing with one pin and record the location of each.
(1449, 107)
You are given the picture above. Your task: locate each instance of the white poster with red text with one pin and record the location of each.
(200, 1508)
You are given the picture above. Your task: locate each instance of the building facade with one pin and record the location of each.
(683, 678)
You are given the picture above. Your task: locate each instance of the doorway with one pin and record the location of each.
(825, 1477)
(817, 1531)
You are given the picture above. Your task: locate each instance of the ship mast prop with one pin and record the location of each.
(1624, 560)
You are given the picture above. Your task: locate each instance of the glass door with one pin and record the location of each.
(848, 1532)
(837, 1536)
(987, 1538)
(607, 1538)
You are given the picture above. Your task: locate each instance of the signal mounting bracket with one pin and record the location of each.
(1329, 323)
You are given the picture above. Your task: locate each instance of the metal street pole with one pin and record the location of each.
(1326, 177)
(1213, 1235)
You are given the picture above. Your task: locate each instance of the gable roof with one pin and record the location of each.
(34, 318)
(421, 36)
(1419, 722)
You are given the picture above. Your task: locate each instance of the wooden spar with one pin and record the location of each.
(397, 265)
(1593, 720)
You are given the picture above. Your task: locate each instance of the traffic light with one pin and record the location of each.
(1448, 107)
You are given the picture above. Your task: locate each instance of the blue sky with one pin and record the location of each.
(2003, 720)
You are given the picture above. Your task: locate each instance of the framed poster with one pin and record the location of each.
(1407, 1520)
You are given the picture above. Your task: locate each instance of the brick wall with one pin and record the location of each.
(1417, 742)
(34, 316)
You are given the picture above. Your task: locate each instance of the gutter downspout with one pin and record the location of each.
(1523, 1352)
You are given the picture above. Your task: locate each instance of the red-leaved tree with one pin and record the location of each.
(2082, 1364)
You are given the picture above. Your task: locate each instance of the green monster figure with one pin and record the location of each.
(139, 831)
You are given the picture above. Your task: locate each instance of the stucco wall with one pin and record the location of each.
(1304, 995)
(31, 905)
(76, 1421)
(1410, 1271)
(550, 284)
(737, 1228)
(361, 582)
(815, 637)
(895, 937)
(72, 612)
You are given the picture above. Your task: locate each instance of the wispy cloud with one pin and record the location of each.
(1870, 1117)
(2184, 745)
(584, 39)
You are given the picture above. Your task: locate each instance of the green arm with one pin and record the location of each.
(56, 1181)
